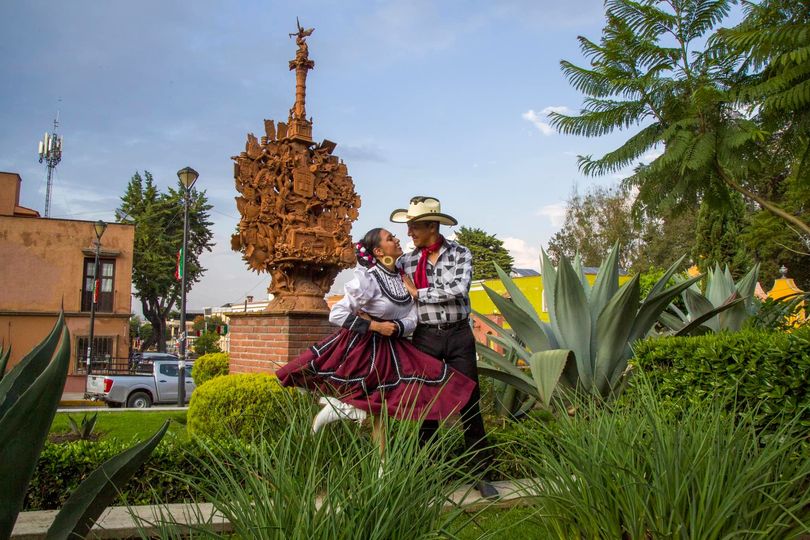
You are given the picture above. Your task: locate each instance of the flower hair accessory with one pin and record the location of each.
(363, 255)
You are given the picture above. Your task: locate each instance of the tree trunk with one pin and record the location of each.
(764, 203)
(155, 316)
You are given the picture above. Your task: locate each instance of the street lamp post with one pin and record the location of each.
(99, 226)
(187, 177)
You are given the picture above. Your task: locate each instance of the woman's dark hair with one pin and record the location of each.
(364, 249)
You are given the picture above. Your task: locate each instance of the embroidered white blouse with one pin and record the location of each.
(379, 293)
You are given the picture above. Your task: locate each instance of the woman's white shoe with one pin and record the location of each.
(333, 410)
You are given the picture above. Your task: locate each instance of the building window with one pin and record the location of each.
(106, 277)
(103, 347)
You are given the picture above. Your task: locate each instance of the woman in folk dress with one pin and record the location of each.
(368, 364)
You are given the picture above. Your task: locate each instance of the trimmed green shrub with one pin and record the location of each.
(765, 371)
(241, 406)
(210, 365)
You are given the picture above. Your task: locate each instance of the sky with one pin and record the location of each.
(448, 99)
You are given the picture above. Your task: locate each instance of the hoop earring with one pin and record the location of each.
(387, 260)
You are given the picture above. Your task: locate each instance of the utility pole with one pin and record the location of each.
(50, 151)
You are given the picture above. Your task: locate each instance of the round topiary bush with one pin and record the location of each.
(210, 365)
(244, 406)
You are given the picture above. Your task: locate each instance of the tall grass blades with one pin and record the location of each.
(648, 471)
(333, 485)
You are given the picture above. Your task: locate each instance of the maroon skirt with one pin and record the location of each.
(371, 372)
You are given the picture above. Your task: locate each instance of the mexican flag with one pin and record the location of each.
(178, 268)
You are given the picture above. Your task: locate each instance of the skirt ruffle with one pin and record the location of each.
(371, 372)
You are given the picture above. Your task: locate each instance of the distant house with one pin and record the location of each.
(523, 272)
(47, 265)
(249, 305)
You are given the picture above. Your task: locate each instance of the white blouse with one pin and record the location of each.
(379, 293)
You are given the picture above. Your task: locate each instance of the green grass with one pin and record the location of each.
(497, 524)
(125, 425)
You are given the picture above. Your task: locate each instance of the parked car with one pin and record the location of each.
(150, 379)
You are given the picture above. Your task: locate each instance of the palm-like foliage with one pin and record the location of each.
(725, 306)
(649, 70)
(591, 328)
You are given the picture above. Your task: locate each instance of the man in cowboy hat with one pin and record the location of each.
(438, 274)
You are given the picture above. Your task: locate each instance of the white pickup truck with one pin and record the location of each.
(147, 382)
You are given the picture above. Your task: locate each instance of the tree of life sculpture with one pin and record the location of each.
(297, 203)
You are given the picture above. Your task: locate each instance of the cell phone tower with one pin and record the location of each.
(50, 151)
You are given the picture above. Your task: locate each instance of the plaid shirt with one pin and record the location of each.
(447, 298)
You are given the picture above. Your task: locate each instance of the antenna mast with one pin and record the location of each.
(50, 151)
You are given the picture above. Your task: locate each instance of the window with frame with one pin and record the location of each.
(103, 348)
(106, 279)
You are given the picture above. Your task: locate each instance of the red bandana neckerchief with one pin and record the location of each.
(420, 277)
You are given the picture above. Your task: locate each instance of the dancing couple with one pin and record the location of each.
(369, 365)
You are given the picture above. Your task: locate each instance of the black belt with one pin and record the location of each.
(446, 326)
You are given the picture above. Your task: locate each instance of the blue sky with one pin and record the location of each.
(423, 98)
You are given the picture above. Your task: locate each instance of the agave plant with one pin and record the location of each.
(725, 306)
(29, 396)
(509, 400)
(4, 356)
(587, 342)
(83, 431)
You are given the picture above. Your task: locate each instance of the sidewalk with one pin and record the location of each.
(76, 399)
(117, 521)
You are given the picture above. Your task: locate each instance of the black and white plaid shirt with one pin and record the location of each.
(447, 298)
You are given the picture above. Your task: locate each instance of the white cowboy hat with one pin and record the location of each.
(423, 209)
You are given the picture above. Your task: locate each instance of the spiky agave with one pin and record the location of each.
(587, 342)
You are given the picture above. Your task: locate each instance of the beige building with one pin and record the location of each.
(48, 263)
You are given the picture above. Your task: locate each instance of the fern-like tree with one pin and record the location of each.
(657, 67)
(487, 250)
(158, 220)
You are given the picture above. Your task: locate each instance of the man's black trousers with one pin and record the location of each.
(456, 347)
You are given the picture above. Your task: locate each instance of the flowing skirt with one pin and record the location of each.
(371, 372)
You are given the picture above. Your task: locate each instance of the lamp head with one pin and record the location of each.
(187, 177)
(100, 227)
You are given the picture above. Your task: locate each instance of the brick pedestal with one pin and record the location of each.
(263, 342)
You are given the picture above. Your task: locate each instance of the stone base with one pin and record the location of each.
(263, 342)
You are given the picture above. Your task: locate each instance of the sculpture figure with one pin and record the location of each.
(297, 204)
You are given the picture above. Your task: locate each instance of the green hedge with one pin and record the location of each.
(62, 467)
(241, 405)
(766, 372)
(210, 365)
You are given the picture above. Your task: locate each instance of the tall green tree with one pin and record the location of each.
(774, 40)
(719, 237)
(594, 222)
(656, 67)
(158, 220)
(486, 252)
(602, 217)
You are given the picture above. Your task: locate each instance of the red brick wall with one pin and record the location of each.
(263, 342)
(481, 330)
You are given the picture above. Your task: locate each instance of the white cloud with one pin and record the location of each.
(651, 156)
(539, 119)
(554, 212)
(525, 256)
